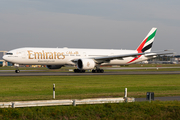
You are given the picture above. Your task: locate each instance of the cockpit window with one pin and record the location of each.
(9, 53)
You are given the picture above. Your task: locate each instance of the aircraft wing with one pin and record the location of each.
(120, 57)
(108, 58)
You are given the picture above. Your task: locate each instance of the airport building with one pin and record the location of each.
(2, 62)
(164, 60)
(176, 59)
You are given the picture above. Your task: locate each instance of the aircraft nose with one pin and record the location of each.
(4, 57)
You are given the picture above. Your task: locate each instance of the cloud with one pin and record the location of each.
(60, 28)
(87, 24)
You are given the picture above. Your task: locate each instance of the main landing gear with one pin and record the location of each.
(79, 71)
(93, 71)
(97, 71)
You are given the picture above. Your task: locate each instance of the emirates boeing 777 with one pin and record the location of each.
(84, 59)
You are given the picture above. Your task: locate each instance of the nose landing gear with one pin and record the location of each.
(17, 71)
(16, 66)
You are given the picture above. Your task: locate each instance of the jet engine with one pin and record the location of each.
(85, 64)
(53, 66)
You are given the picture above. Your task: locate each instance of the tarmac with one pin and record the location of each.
(41, 73)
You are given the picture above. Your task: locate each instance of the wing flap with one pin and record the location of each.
(156, 54)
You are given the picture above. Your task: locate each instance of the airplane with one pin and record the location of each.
(84, 59)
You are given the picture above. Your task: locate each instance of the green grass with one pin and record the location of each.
(74, 87)
(25, 88)
(139, 110)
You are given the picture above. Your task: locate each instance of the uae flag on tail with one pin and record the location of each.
(146, 44)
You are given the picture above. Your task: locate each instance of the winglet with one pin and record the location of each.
(146, 44)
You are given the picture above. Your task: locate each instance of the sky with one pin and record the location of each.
(102, 24)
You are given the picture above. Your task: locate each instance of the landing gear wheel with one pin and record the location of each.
(98, 71)
(17, 71)
(79, 71)
(101, 71)
(75, 70)
(83, 71)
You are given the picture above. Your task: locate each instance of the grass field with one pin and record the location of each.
(25, 88)
(74, 87)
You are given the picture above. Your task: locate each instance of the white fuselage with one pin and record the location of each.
(64, 56)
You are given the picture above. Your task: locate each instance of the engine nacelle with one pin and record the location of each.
(53, 66)
(86, 64)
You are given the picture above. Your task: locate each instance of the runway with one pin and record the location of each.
(41, 73)
(71, 73)
(138, 68)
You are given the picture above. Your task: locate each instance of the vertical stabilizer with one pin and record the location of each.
(147, 43)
